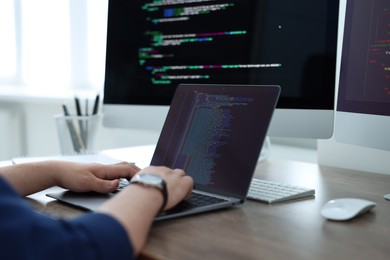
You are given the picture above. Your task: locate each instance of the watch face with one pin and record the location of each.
(150, 179)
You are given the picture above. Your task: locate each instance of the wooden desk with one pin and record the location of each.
(288, 230)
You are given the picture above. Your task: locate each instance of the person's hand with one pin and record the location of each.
(93, 177)
(179, 185)
(136, 206)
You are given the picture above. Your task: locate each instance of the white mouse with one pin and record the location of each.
(346, 208)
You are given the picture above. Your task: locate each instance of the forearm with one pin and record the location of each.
(89, 236)
(80, 177)
(31, 177)
(135, 208)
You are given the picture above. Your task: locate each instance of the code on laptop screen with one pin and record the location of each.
(215, 134)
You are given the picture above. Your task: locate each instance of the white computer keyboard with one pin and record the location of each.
(270, 192)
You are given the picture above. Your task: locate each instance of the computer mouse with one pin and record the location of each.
(346, 208)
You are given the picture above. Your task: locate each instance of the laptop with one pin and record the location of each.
(215, 133)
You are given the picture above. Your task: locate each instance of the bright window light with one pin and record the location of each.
(8, 39)
(46, 43)
(57, 45)
(97, 31)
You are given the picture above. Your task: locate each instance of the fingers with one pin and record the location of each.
(116, 171)
(189, 184)
(128, 164)
(104, 178)
(179, 187)
(179, 172)
(104, 186)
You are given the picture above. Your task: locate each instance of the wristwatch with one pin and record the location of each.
(152, 180)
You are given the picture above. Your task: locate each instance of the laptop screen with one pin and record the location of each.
(215, 133)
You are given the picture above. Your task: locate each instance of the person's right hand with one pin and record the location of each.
(136, 206)
(179, 185)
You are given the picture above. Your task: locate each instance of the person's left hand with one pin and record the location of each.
(94, 177)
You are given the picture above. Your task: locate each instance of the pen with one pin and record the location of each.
(78, 109)
(86, 107)
(80, 121)
(66, 111)
(96, 105)
(75, 137)
(86, 124)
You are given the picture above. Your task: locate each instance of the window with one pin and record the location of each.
(97, 28)
(53, 44)
(8, 41)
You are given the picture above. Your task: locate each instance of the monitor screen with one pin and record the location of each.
(152, 46)
(363, 106)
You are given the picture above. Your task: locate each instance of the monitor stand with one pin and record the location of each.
(266, 150)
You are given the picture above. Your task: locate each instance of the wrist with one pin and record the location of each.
(55, 172)
(151, 181)
(147, 197)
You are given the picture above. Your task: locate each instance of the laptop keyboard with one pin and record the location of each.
(195, 199)
(122, 184)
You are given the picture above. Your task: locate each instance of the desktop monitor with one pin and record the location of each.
(363, 104)
(152, 46)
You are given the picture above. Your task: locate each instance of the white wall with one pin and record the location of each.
(28, 128)
(353, 157)
(11, 133)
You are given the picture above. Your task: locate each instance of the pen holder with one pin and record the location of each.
(77, 134)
